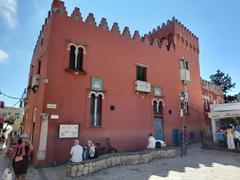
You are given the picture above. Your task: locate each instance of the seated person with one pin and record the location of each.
(151, 141)
(91, 150)
(76, 152)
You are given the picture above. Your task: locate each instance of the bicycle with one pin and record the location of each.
(106, 149)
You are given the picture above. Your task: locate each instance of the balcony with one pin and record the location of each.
(143, 86)
(35, 82)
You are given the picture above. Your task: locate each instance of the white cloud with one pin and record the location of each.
(8, 12)
(3, 55)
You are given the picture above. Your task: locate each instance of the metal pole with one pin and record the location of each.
(181, 115)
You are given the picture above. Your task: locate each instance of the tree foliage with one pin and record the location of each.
(230, 98)
(223, 80)
(10, 119)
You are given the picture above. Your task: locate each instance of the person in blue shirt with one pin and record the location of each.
(221, 137)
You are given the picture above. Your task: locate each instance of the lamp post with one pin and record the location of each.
(183, 98)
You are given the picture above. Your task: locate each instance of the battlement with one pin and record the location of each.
(175, 33)
(166, 37)
(210, 87)
(184, 28)
(40, 36)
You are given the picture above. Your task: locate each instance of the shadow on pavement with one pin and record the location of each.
(195, 158)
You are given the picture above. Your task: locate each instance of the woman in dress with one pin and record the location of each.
(230, 137)
(21, 157)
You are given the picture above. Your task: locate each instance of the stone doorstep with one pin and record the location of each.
(112, 160)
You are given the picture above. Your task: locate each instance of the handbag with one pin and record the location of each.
(18, 158)
(7, 174)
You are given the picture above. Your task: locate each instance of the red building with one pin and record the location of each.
(212, 94)
(93, 81)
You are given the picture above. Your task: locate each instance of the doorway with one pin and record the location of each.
(158, 128)
(33, 125)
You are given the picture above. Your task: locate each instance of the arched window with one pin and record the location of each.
(80, 59)
(160, 107)
(170, 40)
(186, 108)
(155, 106)
(95, 108)
(72, 57)
(99, 110)
(92, 109)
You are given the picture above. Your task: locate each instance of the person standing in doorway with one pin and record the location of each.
(230, 137)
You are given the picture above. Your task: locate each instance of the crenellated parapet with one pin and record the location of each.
(76, 14)
(164, 37)
(210, 87)
(126, 32)
(176, 34)
(59, 7)
(115, 28)
(41, 33)
(185, 38)
(103, 24)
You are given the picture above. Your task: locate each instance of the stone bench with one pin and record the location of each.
(111, 160)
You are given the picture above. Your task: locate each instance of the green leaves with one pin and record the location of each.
(223, 80)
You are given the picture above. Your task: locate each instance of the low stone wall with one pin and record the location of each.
(107, 161)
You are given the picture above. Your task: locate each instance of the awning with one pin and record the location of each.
(224, 114)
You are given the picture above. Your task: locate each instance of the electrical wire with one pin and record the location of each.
(11, 97)
(16, 103)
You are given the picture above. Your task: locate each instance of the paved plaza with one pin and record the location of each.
(199, 164)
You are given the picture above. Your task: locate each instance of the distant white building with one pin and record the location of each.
(224, 114)
(18, 113)
(238, 97)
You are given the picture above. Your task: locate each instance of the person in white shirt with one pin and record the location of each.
(151, 141)
(91, 149)
(76, 152)
(236, 135)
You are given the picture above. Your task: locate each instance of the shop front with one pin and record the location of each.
(223, 116)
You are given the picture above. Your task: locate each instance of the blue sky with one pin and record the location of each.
(216, 23)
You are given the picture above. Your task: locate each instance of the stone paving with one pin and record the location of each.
(199, 164)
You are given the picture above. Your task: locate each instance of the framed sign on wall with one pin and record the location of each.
(68, 131)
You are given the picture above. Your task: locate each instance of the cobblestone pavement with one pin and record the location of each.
(199, 164)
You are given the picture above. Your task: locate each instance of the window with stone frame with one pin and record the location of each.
(95, 110)
(184, 64)
(76, 56)
(141, 73)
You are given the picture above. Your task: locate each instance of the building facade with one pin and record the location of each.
(91, 81)
(15, 113)
(212, 94)
(224, 115)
